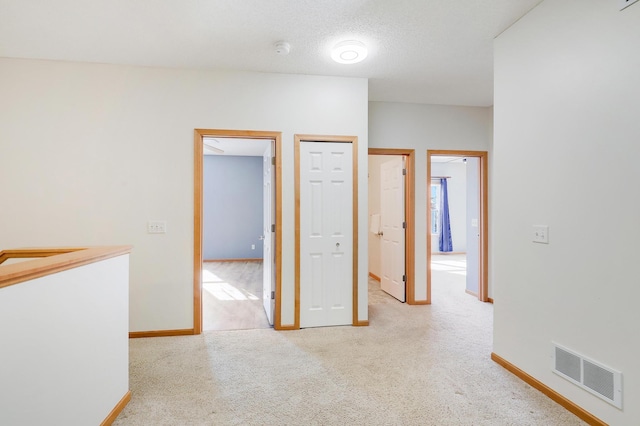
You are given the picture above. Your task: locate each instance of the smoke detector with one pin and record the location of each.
(282, 48)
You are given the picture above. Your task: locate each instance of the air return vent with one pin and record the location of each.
(590, 375)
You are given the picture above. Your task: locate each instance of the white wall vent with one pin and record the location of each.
(590, 375)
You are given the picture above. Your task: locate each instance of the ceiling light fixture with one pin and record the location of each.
(349, 52)
(213, 148)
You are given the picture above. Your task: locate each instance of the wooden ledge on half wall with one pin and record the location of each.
(49, 260)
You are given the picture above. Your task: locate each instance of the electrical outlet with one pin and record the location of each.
(253, 246)
(625, 3)
(156, 227)
(541, 234)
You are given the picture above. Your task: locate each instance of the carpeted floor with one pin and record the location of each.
(414, 365)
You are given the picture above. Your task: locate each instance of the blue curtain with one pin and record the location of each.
(445, 227)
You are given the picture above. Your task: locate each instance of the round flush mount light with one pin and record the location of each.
(349, 52)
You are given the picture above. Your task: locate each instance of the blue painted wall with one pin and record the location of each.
(232, 197)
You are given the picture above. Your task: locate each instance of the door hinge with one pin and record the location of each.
(404, 172)
(404, 278)
(273, 228)
(273, 161)
(404, 225)
(273, 295)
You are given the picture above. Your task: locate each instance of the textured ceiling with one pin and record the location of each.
(422, 51)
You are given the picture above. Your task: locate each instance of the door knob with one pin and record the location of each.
(337, 246)
(261, 237)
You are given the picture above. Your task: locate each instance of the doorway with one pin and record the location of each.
(459, 177)
(240, 142)
(403, 207)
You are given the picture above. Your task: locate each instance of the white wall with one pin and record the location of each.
(422, 127)
(567, 98)
(65, 345)
(93, 151)
(457, 194)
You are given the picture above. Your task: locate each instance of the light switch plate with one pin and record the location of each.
(626, 3)
(541, 234)
(157, 227)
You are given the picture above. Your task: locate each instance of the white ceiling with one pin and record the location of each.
(421, 51)
(236, 146)
(446, 159)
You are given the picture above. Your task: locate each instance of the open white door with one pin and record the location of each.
(326, 233)
(268, 232)
(473, 225)
(392, 263)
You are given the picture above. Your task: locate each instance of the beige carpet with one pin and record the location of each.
(414, 365)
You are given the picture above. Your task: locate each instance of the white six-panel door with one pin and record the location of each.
(326, 234)
(392, 256)
(268, 242)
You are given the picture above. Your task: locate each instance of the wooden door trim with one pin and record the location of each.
(322, 138)
(483, 273)
(198, 153)
(409, 212)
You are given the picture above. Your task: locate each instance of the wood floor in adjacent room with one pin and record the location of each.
(232, 296)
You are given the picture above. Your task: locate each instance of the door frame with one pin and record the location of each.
(483, 262)
(353, 140)
(198, 151)
(409, 215)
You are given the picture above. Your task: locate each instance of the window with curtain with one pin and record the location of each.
(446, 242)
